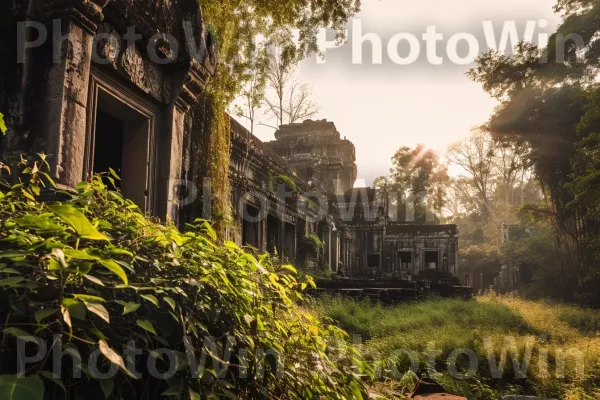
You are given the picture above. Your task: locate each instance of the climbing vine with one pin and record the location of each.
(236, 26)
(314, 244)
(283, 180)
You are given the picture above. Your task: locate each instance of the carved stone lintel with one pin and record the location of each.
(88, 13)
(193, 85)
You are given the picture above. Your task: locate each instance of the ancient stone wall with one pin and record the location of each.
(316, 151)
(86, 65)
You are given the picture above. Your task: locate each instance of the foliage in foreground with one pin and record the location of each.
(91, 275)
(441, 326)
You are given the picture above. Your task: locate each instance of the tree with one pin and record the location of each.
(253, 91)
(476, 155)
(509, 163)
(545, 97)
(292, 101)
(419, 173)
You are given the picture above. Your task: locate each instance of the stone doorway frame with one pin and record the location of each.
(101, 84)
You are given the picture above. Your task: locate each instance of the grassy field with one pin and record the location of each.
(482, 349)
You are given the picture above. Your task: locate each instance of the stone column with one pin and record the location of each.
(335, 250)
(327, 249)
(73, 24)
(281, 240)
(188, 84)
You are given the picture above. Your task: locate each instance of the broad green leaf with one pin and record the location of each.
(232, 245)
(94, 279)
(42, 314)
(116, 269)
(10, 271)
(356, 391)
(130, 307)
(119, 252)
(20, 334)
(145, 324)
(98, 334)
(114, 174)
(59, 255)
(113, 357)
(79, 255)
(194, 395)
(14, 388)
(50, 376)
(11, 282)
(76, 309)
(82, 226)
(290, 268)
(13, 254)
(150, 298)
(126, 265)
(3, 127)
(39, 223)
(66, 317)
(99, 310)
(89, 299)
(209, 230)
(170, 302)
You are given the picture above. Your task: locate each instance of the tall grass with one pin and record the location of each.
(441, 326)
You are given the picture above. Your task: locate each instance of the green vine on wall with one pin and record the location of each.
(236, 25)
(314, 244)
(283, 180)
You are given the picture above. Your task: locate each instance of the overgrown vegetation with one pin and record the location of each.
(240, 62)
(313, 244)
(277, 180)
(549, 103)
(435, 329)
(90, 275)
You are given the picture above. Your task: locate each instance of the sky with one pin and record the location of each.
(403, 101)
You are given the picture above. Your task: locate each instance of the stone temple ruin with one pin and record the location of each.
(76, 86)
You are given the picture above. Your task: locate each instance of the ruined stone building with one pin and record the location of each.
(376, 242)
(315, 149)
(92, 84)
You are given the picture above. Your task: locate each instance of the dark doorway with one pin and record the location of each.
(272, 234)
(431, 260)
(405, 259)
(250, 226)
(290, 241)
(108, 147)
(120, 138)
(374, 260)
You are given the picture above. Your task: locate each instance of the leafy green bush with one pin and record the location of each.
(313, 244)
(283, 180)
(90, 275)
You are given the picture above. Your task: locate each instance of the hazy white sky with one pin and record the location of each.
(382, 107)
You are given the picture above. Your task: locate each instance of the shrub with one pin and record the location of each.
(90, 275)
(313, 244)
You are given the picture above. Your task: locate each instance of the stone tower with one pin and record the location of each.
(316, 150)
